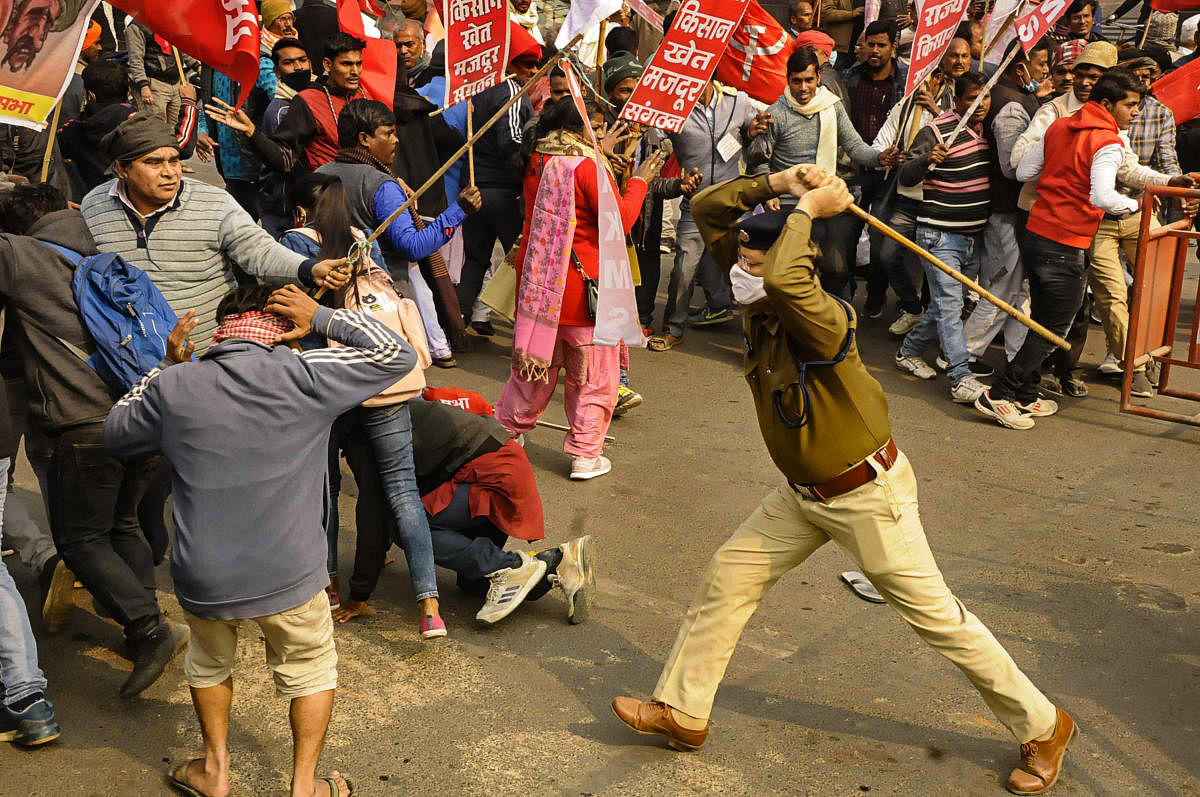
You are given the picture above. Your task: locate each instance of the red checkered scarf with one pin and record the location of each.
(255, 325)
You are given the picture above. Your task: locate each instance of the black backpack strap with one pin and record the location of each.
(802, 367)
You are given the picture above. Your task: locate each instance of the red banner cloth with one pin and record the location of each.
(1167, 6)
(220, 33)
(1180, 91)
(684, 63)
(756, 60)
(477, 46)
(379, 59)
(1037, 23)
(935, 29)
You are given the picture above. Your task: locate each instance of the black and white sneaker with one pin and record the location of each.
(509, 588)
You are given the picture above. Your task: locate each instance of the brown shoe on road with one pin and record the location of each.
(1041, 762)
(655, 718)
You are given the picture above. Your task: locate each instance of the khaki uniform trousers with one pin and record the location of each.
(1106, 277)
(879, 527)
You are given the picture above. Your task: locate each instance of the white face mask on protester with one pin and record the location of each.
(747, 288)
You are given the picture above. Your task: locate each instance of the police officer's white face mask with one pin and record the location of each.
(747, 288)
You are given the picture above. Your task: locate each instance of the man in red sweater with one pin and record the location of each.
(1077, 161)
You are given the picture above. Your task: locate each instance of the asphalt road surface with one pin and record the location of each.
(1074, 542)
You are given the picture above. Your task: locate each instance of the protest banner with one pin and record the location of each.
(683, 64)
(1179, 90)
(643, 10)
(39, 57)
(935, 29)
(616, 307)
(756, 59)
(220, 33)
(1039, 21)
(477, 42)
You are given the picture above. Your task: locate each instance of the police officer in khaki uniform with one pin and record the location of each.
(824, 420)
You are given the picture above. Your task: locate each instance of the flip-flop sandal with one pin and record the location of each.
(335, 790)
(663, 342)
(183, 785)
(862, 586)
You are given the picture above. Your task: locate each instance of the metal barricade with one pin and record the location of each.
(1154, 309)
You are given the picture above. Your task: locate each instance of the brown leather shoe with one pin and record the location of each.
(1041, 762)
(655, 718)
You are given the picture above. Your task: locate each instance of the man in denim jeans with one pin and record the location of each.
(1077, 161)
(954, 209)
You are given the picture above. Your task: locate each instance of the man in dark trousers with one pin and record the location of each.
(828, 433)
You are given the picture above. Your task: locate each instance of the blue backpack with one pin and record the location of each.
(125, 314)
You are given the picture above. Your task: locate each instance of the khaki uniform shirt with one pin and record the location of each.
(847, 412)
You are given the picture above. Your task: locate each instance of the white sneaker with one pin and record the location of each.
(575, 577)
(915, 366)
(1111, 365)
(584, 468)
(905, 323)
(509, 587)
(1004, 412)
(1039, 407)
(966, 391)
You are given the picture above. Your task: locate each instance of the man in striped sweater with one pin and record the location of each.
(954, 208)
(192, 239)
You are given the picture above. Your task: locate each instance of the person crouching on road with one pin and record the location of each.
(826, 428)
(246, 428)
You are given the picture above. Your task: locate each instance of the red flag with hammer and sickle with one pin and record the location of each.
(756, 60)
(220, 33)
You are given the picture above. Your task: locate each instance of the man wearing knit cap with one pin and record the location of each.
(278, 19)
(821, 44)
(824, 420)
(1062, 61)
(187, 235)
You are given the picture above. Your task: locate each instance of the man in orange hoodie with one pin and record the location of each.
(1078, 158)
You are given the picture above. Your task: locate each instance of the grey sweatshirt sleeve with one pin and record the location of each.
(134, 424)
(254, 250)
(374, 357)
(135, 42)
(851, 142)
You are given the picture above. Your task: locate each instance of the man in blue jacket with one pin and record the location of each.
(246, 428)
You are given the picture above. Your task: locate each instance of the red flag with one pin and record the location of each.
(1180, 91)
(220, 33)
(371, 7)
(1167, 6)
(379, 59)
(756, 60)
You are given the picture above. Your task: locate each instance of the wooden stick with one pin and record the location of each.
(600, 51)
(50, 141)
(178, 63)
(970, 283)
(445, 167)
(471, 148)
(561, 428)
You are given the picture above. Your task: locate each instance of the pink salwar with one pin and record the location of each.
(589, 392)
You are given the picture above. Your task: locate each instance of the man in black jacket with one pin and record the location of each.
(93, 496)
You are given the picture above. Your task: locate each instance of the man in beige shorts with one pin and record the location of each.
(246, 428)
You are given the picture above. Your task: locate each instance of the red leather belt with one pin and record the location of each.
(852, 478)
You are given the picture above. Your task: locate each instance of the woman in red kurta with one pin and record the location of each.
(592, 372)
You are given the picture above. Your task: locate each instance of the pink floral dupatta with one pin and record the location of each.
(544, 272)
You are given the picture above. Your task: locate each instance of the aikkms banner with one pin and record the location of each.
(935, 29)
(756, 59)
(1037, 23)
(684, 63)
(41, 44)
(220, 33)
(477, 45)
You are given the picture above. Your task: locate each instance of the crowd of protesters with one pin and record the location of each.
(1035, 194)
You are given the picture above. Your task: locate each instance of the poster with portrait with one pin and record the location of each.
(39, 46)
